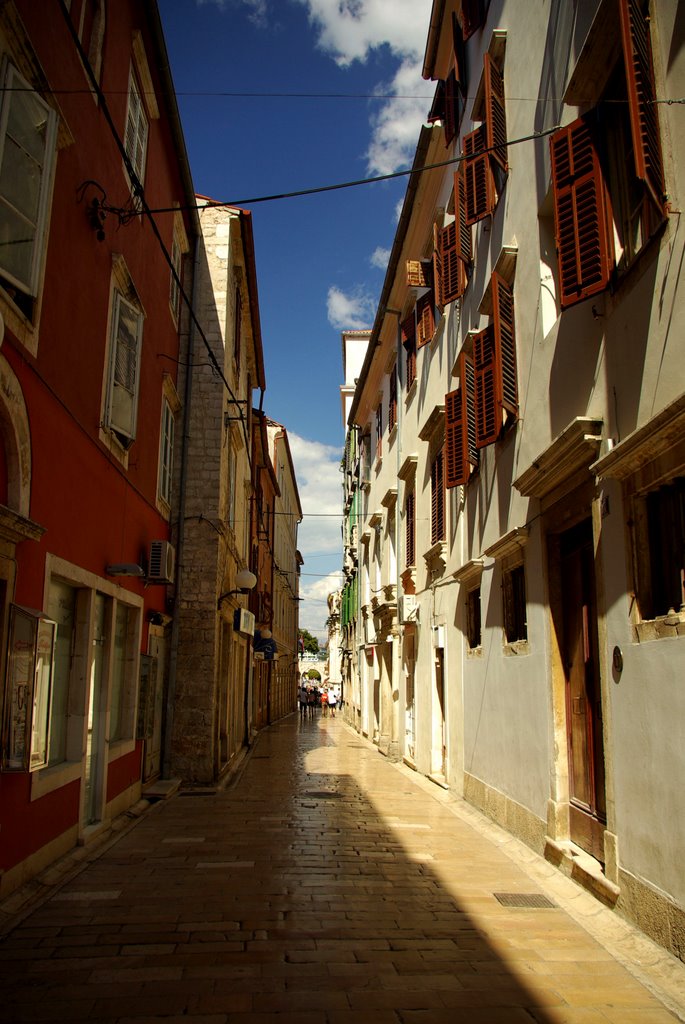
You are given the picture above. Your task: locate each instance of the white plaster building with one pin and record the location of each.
(519, 621)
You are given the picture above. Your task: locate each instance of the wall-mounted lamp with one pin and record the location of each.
(245, 581)
(124, 569)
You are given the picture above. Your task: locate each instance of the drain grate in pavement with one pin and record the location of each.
(321, 794)
(524, 899)
(198, 792)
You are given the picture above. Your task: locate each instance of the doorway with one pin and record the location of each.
(583, 699)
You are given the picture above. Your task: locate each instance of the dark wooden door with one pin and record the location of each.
(583, 697)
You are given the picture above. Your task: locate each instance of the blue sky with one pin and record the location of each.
(320, 259)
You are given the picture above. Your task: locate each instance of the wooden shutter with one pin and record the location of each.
(488, 412)
(461, 225)
(584, 242)
(457, 468)
(453, 278)
(408, 332)
(438, 269)
(471, 16)
(437, 110)
(392, 404)
(644, 120)
(495, 113)
(459, 51)
(479, 184)
(425, 319)
(418, 274)
(505, 343)
(461, 453)
(437, 499)
(451, 107)
(410, 535)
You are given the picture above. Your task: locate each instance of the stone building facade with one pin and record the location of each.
(519, 617)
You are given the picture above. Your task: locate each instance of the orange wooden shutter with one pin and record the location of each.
(457, 468)
(416, 274)
(453, 274)
(495, 113)
(451, 107)
(479, 184)
(471, 16)
(437, 499)
(505, 343)
(488, 421)
(584, 243)
(425, 319)
(438, 269)
(460, 421)
(462, 227)
(644, 119)
(410, 534)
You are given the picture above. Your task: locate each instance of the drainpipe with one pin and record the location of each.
(175, 625)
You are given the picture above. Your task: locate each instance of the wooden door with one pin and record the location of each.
(583, 697)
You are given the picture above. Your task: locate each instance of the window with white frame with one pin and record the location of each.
(137, 128)
(121, 408)
(28, 131)
(174, 285)
(166, 452)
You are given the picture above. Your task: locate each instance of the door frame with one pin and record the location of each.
(560, 514)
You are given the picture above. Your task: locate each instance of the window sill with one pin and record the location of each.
(47, 780)
(474, 652)
(664, 627)
(411, 391)
(516, 648)
(113, 446)
(436, 552)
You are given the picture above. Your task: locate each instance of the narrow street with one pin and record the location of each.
(326, 885)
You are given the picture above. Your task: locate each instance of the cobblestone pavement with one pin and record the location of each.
(326, 885)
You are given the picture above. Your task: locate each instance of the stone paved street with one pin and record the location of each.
(326, 885)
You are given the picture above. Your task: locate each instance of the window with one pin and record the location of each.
(88, 18)
(174, 285)
(410, 529)
(408, 331)
(660, 549)
(237, 330)
(496, 388)
(26, 721)
(460, 427)
(450, 95)
(62, 609)
(514, 601)
(379, 430)
(472, 15)
(473, 618)
(437, 499)
(231, 485)
(28, 129)
(121, 410)
(392, 404)
(123, 682)
(166, 452)
(485, 148)
(135, 141)
(607, 173)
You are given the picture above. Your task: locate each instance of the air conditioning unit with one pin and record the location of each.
(162, 562)
(408, 608)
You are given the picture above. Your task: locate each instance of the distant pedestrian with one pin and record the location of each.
(324, 703)
(311, 701)
(332, 702)
(303, 701)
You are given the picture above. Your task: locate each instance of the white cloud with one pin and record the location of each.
(319, 482)
(353, 311)
(351, 30)
(379, 258)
